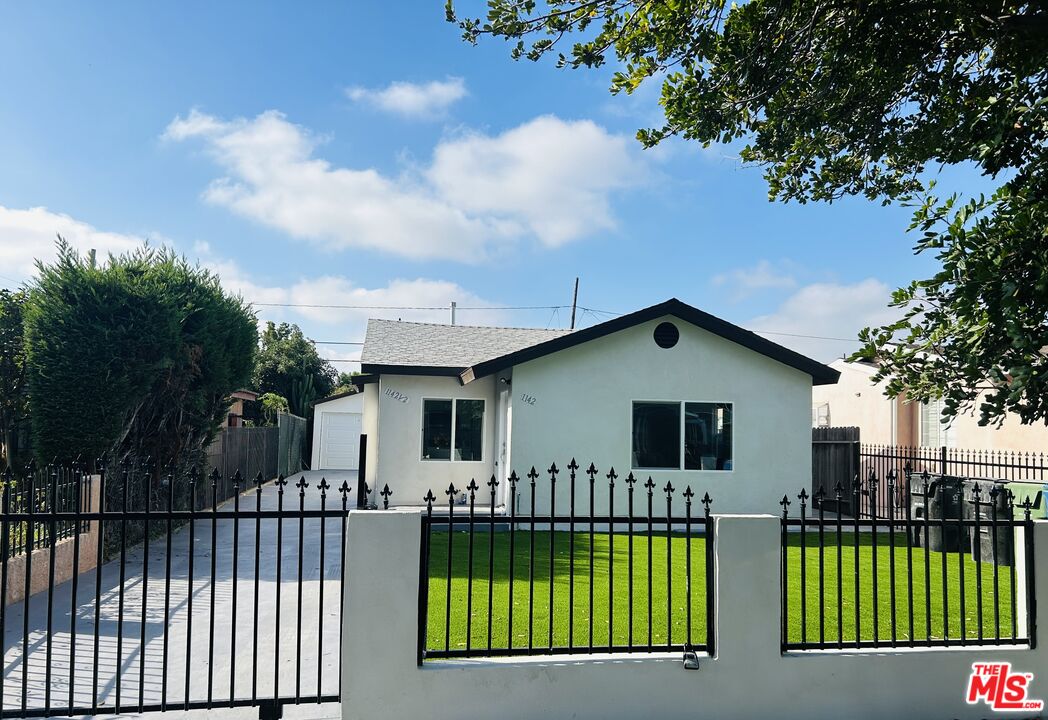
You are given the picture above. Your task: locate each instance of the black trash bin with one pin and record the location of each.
(944, 500)
(982, 544)
(916, 484)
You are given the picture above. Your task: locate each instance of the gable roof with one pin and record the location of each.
(429, 348)
(471, 352)
(821, 374)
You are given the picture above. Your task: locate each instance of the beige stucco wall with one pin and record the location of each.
(856, 401)
(583, 409)
(1012, 435)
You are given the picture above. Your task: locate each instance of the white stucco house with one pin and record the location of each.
(669, 392)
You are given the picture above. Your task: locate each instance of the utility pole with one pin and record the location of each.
(453, 304)
(574, 302)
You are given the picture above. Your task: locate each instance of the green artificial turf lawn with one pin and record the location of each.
(615, 585)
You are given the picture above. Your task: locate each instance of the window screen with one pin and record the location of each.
(436, 429)
(656, 435)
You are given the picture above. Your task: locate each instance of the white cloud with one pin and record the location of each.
(745, 282)
(548, 178)
(417, 100)
(827, 310)
(30, 235)
(554, 176)
(331, 324)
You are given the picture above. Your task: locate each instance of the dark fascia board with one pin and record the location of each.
(431, 370)
(362, 380)
(821, 374)
(336, 396)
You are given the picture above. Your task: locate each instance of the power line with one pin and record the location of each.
(810, 337)
(587, 310)
(409, 307)
(554, 308)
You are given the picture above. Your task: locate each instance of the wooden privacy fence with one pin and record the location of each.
(252, 449)
(835, 458)
(839, 456)
(271, 451)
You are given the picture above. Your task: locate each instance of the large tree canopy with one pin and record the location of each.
(14, 398)
(289, 365)
(836, 98)
(135, 357)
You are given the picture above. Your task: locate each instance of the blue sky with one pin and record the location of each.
(362, 154)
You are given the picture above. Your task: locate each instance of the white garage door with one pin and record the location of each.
(340, 441)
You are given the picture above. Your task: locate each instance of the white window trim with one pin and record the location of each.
(943, 431)
(680, 467)
(454, 412)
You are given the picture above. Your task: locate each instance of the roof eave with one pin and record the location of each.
(820, 373)
(428, 370)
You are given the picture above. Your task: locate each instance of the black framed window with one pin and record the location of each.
(707, 436)
(436, 429)
(469, 429)
(452, 424)
(656, 435)
(682, 435)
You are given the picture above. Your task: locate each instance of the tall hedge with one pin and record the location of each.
(132, 357)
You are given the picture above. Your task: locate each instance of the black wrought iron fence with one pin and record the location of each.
(952, 566)
(39, 490)
(231, 606)
(1012, 466)
(504, 582)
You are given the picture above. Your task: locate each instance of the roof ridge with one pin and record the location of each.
(459, 325)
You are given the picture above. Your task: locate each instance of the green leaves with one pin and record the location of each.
(134, 355)
(860, 98)
(976, 333)
(289, 365)
(14, 396)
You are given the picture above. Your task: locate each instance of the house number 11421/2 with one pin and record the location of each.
(529, 399)
(396, 395)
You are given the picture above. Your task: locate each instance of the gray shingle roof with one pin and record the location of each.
(394, 342)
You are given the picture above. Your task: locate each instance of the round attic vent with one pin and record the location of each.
(666, 335)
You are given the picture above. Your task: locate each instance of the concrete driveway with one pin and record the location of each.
(309, 617)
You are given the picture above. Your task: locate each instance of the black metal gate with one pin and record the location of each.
(137, 605)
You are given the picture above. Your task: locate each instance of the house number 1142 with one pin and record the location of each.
(529, 399)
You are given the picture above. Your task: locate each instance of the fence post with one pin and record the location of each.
(362, 468)
(942, 460)
(748, 609)
(380, 636)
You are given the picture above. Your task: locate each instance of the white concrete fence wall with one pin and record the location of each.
(749, 676)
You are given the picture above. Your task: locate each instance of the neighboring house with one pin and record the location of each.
(669, 392)
(235, 416)
(856, 401)
(337, 421)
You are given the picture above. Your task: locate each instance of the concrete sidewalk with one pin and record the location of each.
(139, 673)
(327, 711)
